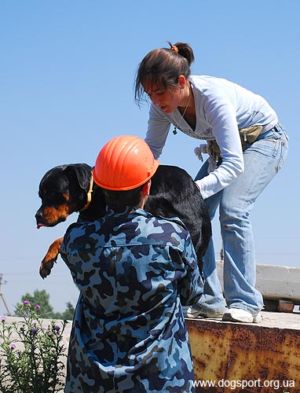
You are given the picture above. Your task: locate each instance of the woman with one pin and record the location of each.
(246, 145)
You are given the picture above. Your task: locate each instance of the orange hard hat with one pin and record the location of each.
(124, 163)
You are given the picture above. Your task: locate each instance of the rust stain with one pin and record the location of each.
(232, 352)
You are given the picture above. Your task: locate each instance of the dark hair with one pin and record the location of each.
(163, 66)
(119, 200)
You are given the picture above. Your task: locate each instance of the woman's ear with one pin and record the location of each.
(182, 81)
(146, 189)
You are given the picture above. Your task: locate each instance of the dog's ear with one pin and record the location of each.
(83, 174)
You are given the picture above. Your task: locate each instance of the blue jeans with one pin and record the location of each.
(262, 160)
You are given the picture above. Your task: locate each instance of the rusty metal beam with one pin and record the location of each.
(229, 354)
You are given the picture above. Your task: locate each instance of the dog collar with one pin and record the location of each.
(89, 194)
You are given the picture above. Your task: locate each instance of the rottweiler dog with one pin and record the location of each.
(66, 189)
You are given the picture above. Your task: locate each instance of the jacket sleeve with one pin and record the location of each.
(158, 129)
(220, 113)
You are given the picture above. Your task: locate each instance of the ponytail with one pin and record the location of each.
(183, 49)
(162, 67)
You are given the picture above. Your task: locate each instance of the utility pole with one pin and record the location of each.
(2, 295)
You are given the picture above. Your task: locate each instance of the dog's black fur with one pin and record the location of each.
(63, 190)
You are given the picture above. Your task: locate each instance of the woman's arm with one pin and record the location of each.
(220, 113)
(158, 129)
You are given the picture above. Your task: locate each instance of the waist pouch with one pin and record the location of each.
(248, 135)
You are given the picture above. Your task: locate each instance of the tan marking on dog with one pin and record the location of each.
(51, 215)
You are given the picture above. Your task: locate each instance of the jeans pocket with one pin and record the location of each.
(283, 153)
(268, 147)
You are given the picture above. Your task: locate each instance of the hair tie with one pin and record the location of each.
(174, 48)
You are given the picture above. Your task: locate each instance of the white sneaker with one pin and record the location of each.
(240, 315)
(197, 312)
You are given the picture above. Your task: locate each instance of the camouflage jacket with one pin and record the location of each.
(133, 271)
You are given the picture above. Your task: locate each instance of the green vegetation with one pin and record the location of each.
(31, 353)
(46, 310)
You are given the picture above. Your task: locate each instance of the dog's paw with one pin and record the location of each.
(46, 267)
(49, 259)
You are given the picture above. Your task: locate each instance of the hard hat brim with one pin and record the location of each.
(130, 187)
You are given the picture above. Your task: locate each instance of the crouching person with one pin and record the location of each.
(134, 272)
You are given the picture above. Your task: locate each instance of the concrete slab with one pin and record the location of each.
(275, 282)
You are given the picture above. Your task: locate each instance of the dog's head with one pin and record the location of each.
(63, 190)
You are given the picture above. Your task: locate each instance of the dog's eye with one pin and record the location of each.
(55, 198)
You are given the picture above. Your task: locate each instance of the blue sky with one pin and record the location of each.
(66, 86)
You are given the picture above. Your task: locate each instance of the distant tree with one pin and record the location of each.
(67, 314)
(41, 300)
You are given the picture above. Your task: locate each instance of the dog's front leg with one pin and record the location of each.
(50, 258)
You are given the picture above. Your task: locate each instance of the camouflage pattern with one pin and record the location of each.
(129, 336)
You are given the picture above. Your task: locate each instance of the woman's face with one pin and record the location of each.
(166, 99)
